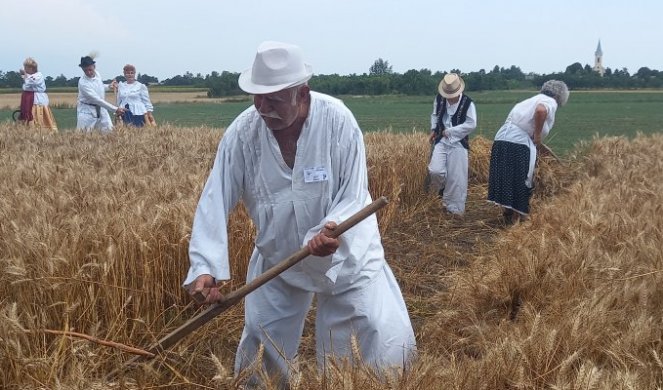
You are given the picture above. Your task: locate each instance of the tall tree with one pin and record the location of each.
(12, 80)
(380, 67)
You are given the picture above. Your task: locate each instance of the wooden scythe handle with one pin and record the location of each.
(232, 298)
(549, 151)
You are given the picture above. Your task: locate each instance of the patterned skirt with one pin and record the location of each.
(509, 164)
(42, 118)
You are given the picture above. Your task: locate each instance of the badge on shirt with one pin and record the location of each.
(314, 175)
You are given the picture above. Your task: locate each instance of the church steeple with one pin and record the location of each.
(598, 60)
(599, 52)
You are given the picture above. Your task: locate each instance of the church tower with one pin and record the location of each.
(598, 60)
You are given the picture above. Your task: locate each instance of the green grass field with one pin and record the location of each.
(587, 113)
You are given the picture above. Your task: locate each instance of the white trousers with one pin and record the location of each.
(375, 314)
(449, 169)
(87, 120)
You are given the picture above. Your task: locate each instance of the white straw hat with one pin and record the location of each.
(451, 86)
(277, 66)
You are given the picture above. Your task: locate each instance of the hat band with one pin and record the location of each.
(453, 91)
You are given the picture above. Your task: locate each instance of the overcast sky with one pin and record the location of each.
(164, 38)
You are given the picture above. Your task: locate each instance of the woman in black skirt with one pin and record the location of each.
(513, 156)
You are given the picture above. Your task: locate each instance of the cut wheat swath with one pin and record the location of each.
(234, 297)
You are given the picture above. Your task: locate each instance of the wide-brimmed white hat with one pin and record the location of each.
(452, 85)
(277, 66)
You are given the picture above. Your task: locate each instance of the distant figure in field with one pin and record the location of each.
(34, 101)
(454, 117)
(296, 159)
(513, 155)
(92, 105)
(132, 95)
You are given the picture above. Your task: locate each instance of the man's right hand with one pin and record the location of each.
(204, 286)
(431, 139)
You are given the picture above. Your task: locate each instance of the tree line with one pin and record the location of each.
(381, 80)
(13, 79)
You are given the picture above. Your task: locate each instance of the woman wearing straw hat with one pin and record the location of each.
(454, 117)
(133, 96)
(296, 158)
(513, 155)
(34, 100)
(91, 109)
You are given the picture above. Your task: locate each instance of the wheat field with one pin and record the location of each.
(11, 101)
(93, 240)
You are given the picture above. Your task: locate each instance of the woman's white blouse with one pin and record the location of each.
(136, 96)
(35, 82)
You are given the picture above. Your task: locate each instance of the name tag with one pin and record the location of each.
(314, 175)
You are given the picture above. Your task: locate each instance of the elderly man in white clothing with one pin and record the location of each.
(297, 160)
(454, 117)
(92, 105)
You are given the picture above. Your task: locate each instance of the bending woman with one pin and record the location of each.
(513, 156)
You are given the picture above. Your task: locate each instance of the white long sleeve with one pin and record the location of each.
(136, 96)
(457, 133)
(92, 91)
(208, 248)
(433, 116)
(35, 82)
(328, 182)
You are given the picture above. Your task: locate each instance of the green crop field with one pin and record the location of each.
(587, 113)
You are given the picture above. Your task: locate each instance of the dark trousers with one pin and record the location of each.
(130, 119)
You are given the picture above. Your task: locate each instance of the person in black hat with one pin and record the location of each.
(92, 106)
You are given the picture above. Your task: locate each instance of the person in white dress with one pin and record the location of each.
(133, 96)
(91, 110)
(296, 159)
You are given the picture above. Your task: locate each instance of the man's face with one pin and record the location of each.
(280, 109)
(89, 70)
(453, 100)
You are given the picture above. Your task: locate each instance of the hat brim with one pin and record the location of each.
(248, 86)
(451, 95)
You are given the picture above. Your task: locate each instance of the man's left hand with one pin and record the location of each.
(322, 245)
